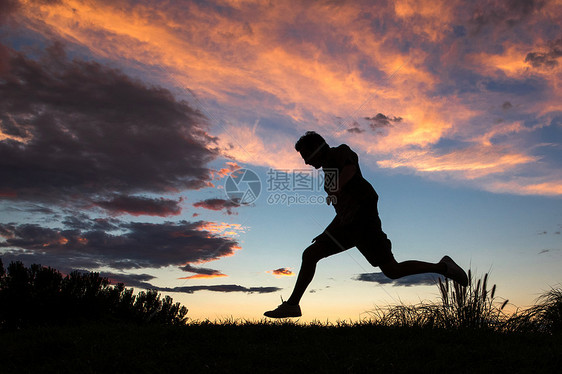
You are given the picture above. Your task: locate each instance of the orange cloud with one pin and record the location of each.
(24, 138)
(223, 172)
(249, 145)
(277, 60)
(223, 228)
(429, 18)
(470, 163)
(281, 272)
(511, 62)
(528, 187)
(245, 57)
(61, 240)
(307, 82)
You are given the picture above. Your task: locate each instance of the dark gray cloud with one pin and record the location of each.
(355, 130)
(547, 59)
(82, 221)
(81, 136)
(140, 281)
(143, 281)
(503, 13)
(8, 7)
(203, 271)
(525, 86)
(217, 204)
(80, 130)
(381, 121)
(220, 288)
(4, 57)
(507, 105)
(130, 280)
(130, 245)
(32, 209)
(354, 126)
(551, 251)
(140, 205)
(411, 280)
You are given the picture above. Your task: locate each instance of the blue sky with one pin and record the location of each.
(122, 120)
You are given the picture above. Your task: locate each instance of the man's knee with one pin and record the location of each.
(391, 270)
(314, 253)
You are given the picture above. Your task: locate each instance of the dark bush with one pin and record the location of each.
(43, 296)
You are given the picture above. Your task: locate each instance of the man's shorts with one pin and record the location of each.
(364, 232)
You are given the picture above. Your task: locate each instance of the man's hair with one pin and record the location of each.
(310, 140)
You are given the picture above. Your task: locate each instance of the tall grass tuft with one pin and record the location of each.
(420, 315)
(471, 307)
(543, 317)
(549, 310)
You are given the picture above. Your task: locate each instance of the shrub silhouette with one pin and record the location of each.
(42, 295)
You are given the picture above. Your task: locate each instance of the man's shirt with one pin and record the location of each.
(357, 193)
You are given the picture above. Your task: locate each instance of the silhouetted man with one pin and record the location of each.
(357, 224)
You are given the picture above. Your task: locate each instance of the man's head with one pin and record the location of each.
(312, 147)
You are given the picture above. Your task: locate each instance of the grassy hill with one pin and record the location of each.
(266, 347)
(78, 323)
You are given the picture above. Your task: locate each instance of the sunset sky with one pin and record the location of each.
(121, 122)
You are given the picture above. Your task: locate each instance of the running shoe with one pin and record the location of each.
(284, 310)
(454, 271)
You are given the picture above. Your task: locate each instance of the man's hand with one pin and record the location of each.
(332, 199)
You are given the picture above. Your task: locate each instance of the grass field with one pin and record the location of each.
(265, 347)
(465, 332)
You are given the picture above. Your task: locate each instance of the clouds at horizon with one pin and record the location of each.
(119, 245)
(142, 281)
(123, 246)
(220, 288)
(408, 281)
(201, 273)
